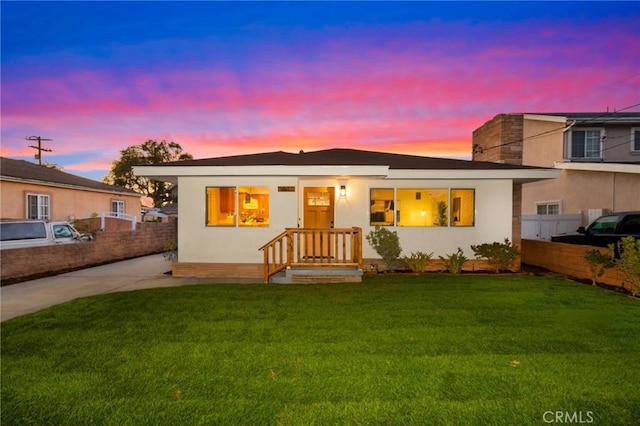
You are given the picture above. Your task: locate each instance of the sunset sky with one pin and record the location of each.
(227, 78)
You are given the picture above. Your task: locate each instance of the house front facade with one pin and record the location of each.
(230, 207)
(32, 191)
(598, 155)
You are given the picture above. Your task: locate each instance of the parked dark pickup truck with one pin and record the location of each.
(604, 230)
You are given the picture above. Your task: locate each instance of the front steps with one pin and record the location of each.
(317, 275)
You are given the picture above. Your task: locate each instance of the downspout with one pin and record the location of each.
(613, 192)
(564, 139)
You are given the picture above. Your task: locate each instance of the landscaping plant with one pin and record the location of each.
(170, 250)
(418, 261)
(454, 262)
(499, 255)
(629, 263)
(598, 262)
(387, 244)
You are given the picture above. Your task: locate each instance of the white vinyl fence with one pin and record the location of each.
(542, 227)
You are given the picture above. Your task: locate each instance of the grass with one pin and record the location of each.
(434, 349)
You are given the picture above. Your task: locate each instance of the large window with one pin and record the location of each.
(237, 206)
(422, 207)
(38, 206)
(586, 144)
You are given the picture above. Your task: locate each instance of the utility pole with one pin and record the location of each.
(39, 147)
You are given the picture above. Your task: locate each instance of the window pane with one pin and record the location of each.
(636, 140)
(553, 209)
(577, 143)
(32, 202)
(541, 209)
(221, 206)
(253, 205)
(382, 210)
(463, 207)
(592, 147)
(422, 207)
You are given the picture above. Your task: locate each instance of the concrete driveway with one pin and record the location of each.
(133, 274)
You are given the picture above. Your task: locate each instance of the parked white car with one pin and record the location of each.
(32, 233)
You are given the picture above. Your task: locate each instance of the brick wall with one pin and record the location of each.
(27, 263)
(499, 140)
(566, 259)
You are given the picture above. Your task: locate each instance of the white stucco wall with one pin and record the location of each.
(199, 243)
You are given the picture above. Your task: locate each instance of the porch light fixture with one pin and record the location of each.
(343, 191)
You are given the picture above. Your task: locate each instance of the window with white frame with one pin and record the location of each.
(117, 208)
(635, 140)
(548, 208)
(38, 206)
(585, 143)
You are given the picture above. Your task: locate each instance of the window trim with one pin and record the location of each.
(583, 155)
(39, 206)
(547, 204)
(117, 213)
(635, 150)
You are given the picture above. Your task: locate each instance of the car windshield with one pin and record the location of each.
(604, 225)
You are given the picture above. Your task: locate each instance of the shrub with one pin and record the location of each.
(418, 261)
(629, 263)
(170, 250)
(598, 262)
(387, 244)
(499, 255)
(454, 262)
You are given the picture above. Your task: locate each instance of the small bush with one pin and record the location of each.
(418, 261)
(454, 262)
(499, 255)
(629, 263)
(387, 244)
(170, 250)
(598, 262)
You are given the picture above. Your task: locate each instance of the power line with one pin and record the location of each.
(39, 148)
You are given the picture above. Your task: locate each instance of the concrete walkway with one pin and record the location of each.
(133, 274)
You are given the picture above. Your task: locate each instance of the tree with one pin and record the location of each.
(150, 152)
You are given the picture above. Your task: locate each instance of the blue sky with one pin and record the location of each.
(225, 78)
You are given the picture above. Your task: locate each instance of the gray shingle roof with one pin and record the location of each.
(24, 170)
(346, 157)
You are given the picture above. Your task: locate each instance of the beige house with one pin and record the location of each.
(31, 191)
(598, 155)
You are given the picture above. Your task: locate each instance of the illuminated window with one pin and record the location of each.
(422, 207)
(318, 199)
(221, 206)
(382, 209)
(253, 205)
(463, 207)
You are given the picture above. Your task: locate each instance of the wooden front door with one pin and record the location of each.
(318, 214)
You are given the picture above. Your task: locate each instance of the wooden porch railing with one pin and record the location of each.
(311, 247)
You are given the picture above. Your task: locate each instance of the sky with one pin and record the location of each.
(230, 78)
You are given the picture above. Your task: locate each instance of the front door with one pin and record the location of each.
(318, 214)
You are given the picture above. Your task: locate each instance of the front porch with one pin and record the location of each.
(314, 255)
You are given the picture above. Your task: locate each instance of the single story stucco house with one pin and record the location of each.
(253, 215)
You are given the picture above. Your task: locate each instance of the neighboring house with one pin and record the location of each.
(31, 191)
(321, 204)
(598, 155)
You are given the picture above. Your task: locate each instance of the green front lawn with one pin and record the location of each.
(434, 349)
